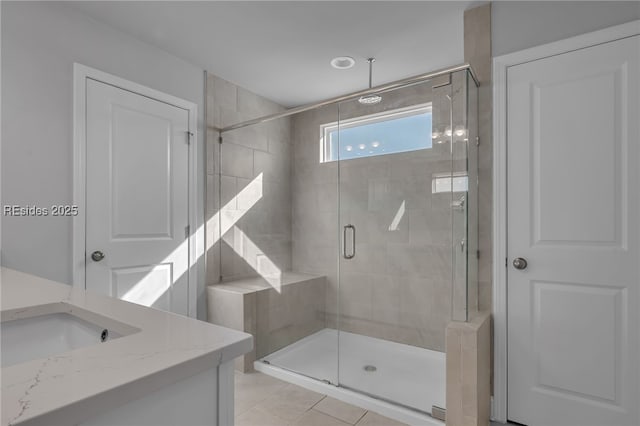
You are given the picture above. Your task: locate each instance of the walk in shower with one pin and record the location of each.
(350, 231)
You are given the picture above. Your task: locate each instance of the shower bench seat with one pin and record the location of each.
(277, 311)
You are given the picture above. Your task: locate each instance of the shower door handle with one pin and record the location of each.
(353, 242)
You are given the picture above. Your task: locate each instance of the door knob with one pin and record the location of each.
(519, 263)
(97, 256)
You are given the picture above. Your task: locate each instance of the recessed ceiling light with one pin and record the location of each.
(343, 62)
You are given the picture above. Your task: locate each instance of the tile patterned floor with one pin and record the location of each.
(262, 400)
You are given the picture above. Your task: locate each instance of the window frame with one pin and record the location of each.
(326, 153)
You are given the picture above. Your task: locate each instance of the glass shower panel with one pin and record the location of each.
(395, 197)
(459, 193)
(296, 319)
(473, 142)
(465, 196)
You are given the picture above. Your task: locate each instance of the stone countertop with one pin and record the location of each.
(158, 349)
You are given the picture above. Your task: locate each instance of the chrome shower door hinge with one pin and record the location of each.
(187, 231)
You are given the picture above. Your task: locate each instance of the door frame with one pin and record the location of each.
(501, 65)
(80, 74)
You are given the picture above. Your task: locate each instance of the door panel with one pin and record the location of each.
(140, 191)
(572, 126)
(600, 311)
(137, 198)
(559, 111)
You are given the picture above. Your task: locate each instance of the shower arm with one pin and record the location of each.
(372, 90)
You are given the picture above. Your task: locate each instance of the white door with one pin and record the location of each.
(137, 198)
(573, 214)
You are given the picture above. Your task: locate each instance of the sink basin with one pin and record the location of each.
(46, 335)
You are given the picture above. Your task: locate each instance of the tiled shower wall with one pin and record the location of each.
(248, 186)
(399, 285)
(278, 211)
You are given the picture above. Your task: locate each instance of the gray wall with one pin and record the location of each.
(40, 43)
(399, 286)
(517, 25)
(248, 187)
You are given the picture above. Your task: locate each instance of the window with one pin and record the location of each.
(450, 182)
(389, 132)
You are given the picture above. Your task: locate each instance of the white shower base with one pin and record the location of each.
(406, 379)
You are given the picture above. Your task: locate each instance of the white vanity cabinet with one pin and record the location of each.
(102, 361)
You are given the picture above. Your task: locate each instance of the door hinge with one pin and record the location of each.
(189, 136)
(187, 232)
(220, 139)
(477, 141)
(506, 262)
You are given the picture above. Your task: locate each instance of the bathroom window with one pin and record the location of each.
(389, 132)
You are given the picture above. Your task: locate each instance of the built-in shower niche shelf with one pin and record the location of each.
(277, 311)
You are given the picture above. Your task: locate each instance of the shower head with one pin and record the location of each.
(370, 99)
(373, 98)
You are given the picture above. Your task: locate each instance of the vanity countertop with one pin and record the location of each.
(68, 388)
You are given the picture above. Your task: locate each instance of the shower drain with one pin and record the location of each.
(369, 368)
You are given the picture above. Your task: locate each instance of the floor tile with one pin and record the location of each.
(340, 410)
(373, 419)
(316, 418)
(257, 417)
(261, 400)
(290, 403)
(253, 388)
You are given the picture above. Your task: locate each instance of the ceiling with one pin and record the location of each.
(281, 50)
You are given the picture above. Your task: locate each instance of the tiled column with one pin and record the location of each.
(468, 372)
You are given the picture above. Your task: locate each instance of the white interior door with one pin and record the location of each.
(137, 198)
(573, 215)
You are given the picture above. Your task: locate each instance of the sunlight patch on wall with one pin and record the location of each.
(398, 217)
(248, 250)
(150, 288)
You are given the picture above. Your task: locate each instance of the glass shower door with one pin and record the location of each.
(296, 319)
(395, 264)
